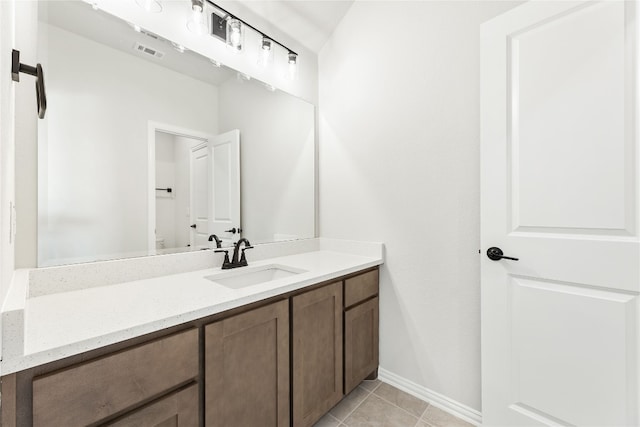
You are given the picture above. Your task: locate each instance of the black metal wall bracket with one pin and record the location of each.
(17, 68)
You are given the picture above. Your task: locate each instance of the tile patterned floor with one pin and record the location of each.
(377, 404)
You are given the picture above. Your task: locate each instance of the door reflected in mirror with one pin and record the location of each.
(196, 190)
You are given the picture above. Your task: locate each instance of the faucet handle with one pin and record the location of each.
(243, 258)
(226, 263)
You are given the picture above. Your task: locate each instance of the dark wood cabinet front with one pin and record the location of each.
(360, 343)
(317, 353)
(247, 369)
(179, 409)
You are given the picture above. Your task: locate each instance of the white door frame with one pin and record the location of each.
(152, 128)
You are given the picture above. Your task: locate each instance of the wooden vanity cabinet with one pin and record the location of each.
(316, 353)
(247, 369)
(281, 362)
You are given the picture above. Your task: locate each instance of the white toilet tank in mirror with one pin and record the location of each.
(149, 148)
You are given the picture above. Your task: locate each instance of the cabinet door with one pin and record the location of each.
(247, 369)
(360, 343)
(179, 409)
(87, 393)
(317, 353)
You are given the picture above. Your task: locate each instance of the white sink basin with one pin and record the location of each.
(248, 276)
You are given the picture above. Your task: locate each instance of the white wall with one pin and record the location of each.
(399, 163)
(166, 177)
(277, 196)
(100, 102)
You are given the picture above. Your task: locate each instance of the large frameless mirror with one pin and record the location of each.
(148, 148)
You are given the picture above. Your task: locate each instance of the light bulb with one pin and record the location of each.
(197, 6)
(293, 66)
(265, 52)
(235, 34)
(197, 23)
(150, 5)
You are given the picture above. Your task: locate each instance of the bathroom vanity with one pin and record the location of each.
(278, 353)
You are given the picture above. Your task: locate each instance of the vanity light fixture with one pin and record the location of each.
(266, 53)
(153, 6)
(293, 65)
(197, 23)
(230, 30)
(235, 34)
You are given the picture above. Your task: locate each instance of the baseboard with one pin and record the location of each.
(436, 399)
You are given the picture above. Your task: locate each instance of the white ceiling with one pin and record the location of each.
(310, 22)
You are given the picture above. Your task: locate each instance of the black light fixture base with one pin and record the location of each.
(219, 27)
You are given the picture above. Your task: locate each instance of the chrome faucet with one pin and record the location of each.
(235, 262)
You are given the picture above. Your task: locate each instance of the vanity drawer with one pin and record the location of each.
(361, 287)
(90, 392)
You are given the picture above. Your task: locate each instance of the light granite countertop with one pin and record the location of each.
(51, 326)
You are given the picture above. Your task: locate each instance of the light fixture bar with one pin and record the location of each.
(227, 14)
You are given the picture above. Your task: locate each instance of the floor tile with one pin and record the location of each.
(409, 403)
(439, 418)
(349, 403)
(327, 421)
(370, 384)
(375, 412)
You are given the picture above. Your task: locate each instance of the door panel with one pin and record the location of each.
(559, 191)
(574, 338)
(566, 84)
(225, 203)
(200, 182)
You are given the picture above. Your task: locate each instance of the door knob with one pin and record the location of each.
(496, 254)
(192, 226)
(232, 231)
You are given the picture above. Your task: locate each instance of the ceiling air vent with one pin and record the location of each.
(148, 50)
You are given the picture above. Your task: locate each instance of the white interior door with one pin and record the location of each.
(225, 200)
(560, 327)
(199, 192)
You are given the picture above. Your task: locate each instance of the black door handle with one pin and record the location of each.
(496, 254)
(232, 231)
(192, 226)
(17, 68)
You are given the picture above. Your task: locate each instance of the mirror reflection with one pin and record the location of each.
(148, 148)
